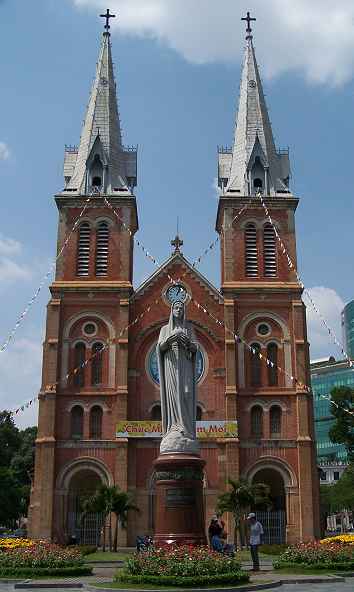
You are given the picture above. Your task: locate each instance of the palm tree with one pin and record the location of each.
(107, 500)
(122, 504)
(239, 499)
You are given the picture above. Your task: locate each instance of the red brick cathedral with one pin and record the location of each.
(99, 363)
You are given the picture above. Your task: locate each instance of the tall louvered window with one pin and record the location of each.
(83, 249)
(96, 422)
(79, 369)
(77, 422)
(275, 420)
(257, 421)
(269, 251)
(251, 250)
(272, 364)
(102, 240)
(255, 364)
(96, 364)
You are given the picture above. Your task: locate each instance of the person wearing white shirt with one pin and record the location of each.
(256, 532)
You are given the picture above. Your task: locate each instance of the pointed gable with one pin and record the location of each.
(167, 269)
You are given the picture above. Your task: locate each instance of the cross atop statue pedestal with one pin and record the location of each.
(177, 243)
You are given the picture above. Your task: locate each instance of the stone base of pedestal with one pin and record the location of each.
(179, 509)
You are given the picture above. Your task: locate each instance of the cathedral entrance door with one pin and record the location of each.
(273, 520)
(83, 528)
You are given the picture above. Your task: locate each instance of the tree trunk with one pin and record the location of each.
(104, 534)
(110, 531)
(115, 548)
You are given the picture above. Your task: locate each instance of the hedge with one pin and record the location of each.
(28, 572)
(181, 581)
(348, 566)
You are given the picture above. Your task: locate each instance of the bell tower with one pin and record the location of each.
(85, 354)
(267, 365)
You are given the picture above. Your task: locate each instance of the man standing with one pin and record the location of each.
(256, 532)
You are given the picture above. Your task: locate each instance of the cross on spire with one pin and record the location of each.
(249, 19)
(177, 243)
(107, 16)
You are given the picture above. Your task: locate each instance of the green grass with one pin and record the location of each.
(306, 571)
(107, 556)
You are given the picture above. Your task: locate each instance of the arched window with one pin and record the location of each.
(156, 413)
(269, 251)
(257, 421)
(272, 364)
(102, 240)
(79, 359)
(255, 364)
(199, 413)
(77, 422)
(83, 249)
(96, 364)
(96, 422)
(275, 420)
(251, 250)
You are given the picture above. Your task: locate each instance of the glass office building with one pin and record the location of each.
(325, 375)
(348, 328)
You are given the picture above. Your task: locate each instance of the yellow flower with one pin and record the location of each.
(341, 538)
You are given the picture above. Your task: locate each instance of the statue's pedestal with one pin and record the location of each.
(179, 507)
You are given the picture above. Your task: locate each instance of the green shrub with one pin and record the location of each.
(85, 549)
(236, 577)
(184, 561)
(28, 572)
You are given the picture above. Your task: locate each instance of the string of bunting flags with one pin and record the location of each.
(298, 277)
(237, 337)
(32, 300)
(74, 371)
(336, 404)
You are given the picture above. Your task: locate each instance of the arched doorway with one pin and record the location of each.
(273, 519)
(83, 528)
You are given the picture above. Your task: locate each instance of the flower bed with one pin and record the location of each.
(316, 555)
(181, 566)
(341, 538)
(40, 558)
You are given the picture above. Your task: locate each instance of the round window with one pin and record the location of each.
(154, 370)
(89, 329)
(263, 329)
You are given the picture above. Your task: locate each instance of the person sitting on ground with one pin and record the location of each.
(220, 547)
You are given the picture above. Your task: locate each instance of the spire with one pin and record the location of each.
(102, 163)
(253, 164)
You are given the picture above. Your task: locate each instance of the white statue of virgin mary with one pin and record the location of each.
(176, 357)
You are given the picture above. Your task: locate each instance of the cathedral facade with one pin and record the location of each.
(99, 361)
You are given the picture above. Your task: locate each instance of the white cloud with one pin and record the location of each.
(9, 246)
(20, 371)
(330, 304)
(10, 270)
(314, 38)
(4, 151)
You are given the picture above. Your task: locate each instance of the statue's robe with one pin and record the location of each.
(177, 370)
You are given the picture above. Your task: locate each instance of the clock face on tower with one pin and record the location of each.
(176, 293)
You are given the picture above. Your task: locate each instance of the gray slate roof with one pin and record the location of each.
(101, 128)
(253, 135)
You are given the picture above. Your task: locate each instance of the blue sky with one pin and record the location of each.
(178, 70)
